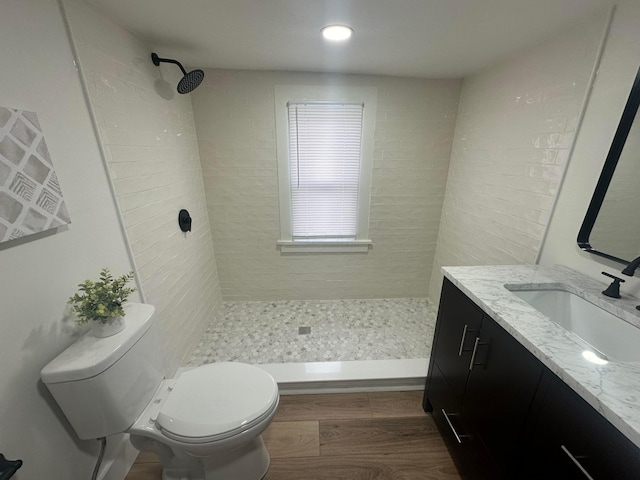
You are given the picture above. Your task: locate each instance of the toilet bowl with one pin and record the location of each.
(205, 424)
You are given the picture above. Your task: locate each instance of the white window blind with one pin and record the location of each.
(324, 163)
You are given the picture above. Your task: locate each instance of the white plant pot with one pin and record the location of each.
(110, 326)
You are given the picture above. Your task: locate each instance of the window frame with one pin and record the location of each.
(285, 94)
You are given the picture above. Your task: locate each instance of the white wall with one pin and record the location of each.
(516, 123)
(617, 71)
(148, 134)
(235, 121)
(37, 276)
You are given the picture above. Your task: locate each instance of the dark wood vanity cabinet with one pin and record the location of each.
(503, 414)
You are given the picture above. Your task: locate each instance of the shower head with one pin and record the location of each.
(189, 82)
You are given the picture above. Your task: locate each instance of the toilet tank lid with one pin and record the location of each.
(89, 355)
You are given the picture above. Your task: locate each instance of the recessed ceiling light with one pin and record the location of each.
(337, 33)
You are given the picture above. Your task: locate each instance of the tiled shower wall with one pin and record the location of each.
(149, 139)
(515, 126)
(234, 115)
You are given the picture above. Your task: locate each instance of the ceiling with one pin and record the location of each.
(422, 38)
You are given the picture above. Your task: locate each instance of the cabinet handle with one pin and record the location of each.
(464, 334)
(576, 462)
(446, 417)
(464, 337)
(473, 354)
(476, 344)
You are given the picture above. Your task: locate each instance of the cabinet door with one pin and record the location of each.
(459, 321)
(500, 391)
(458, 324)
(571, 440)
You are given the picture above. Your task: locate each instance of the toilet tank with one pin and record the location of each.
(103, 384)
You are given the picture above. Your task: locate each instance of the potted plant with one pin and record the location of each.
(101, 302)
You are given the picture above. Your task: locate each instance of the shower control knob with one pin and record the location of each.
(184, 220)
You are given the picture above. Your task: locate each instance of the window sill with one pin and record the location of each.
(355, 246)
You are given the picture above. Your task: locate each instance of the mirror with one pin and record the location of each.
(611, 226)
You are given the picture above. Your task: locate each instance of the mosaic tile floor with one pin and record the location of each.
(318, 331)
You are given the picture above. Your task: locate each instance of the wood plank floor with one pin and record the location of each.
(350, 436)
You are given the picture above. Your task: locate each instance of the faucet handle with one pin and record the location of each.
(614, 277)
(613, 290)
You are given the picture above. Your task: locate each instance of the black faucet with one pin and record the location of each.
(613, 290)
(631, 268)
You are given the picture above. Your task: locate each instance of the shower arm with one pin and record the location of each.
(156, 61)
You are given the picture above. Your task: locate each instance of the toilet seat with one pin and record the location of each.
(217, 401)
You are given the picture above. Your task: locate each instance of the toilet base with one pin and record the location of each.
(249, 461)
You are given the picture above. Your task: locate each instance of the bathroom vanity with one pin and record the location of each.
(511, 391)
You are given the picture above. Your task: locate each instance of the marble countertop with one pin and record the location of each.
(612, 389)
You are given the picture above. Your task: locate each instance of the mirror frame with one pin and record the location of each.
(622, 132)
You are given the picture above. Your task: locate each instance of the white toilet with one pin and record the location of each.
(204, 424)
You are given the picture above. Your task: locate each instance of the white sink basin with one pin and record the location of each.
(610, 337)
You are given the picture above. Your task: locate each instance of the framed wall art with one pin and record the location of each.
(31, 200)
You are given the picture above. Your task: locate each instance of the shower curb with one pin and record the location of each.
(349, 376)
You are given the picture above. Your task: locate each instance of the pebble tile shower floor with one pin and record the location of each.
(318, 331)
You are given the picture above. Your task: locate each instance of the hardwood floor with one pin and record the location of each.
(349, 436)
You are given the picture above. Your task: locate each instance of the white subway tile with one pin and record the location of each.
(516, 122)
(153, 158)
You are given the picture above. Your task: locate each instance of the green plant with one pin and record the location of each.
(102, 299)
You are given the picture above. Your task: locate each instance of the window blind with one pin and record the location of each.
(324, 166)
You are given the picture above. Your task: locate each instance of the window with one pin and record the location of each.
(325, 150)
(324, 169)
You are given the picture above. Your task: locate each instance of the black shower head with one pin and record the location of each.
(189, 82)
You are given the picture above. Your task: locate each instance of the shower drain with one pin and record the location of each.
(304, 330)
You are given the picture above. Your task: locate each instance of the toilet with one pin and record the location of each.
(204, 424)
